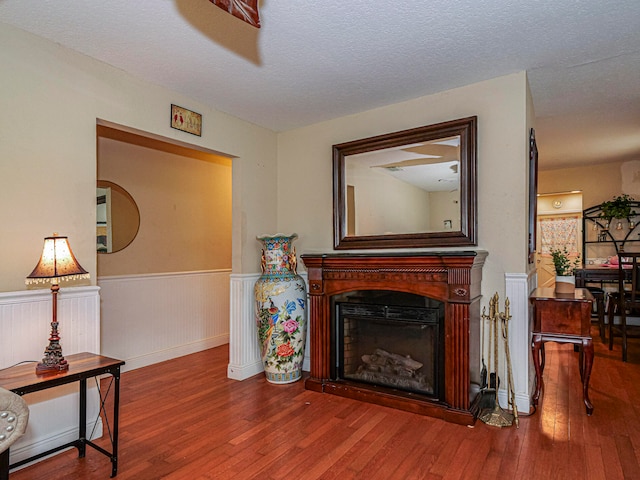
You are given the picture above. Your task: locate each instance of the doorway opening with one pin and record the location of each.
(559, 226)
(166, 293)
(183, 197)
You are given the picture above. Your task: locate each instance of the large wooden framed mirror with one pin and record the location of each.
(408, 189)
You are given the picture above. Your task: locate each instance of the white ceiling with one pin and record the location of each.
(317, 60)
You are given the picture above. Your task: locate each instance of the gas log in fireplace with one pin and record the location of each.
(401, 330)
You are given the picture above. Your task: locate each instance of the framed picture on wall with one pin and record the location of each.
(533, 194)
(186, 120)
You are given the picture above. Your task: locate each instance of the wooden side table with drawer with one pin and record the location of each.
(562, 318)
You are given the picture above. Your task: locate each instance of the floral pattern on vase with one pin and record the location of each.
(281, 317)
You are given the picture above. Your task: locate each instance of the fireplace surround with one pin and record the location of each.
(450, 278)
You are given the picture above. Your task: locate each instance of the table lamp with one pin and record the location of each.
(56, 263)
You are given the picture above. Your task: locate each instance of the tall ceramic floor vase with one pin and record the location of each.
(281, 310)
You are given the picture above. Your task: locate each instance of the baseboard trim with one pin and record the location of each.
(174, 352)
(242, 372)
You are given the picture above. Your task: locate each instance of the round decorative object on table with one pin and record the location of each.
(14, 416)
(281, 313)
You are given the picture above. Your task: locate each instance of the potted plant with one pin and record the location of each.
(565, 270)
(619, 207)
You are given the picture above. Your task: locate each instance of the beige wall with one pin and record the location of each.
(445, 206)
(502, 106)
(184, 204)
(280, 182)
(560, 203)
(597, 182)
(48, 151)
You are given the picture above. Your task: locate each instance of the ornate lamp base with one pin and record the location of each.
(53, 361)
(42, 368)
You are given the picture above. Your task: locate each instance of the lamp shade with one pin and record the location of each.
(57, 261)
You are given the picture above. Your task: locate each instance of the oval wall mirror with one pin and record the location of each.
(413, 188)
(118, 217)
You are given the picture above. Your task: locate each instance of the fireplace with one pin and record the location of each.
(389, 339)
(400, 330)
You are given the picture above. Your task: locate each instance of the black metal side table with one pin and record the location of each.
(23, 379)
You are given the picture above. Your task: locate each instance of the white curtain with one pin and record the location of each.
(559, 233)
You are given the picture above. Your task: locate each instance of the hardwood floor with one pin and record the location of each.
(183, 419)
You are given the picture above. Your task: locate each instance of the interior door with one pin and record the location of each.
(556, 231)
(545, 270)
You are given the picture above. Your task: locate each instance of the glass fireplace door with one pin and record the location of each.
(391, 346)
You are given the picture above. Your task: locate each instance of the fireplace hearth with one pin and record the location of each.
(400, 330)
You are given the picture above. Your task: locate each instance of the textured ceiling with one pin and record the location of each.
(317, 60)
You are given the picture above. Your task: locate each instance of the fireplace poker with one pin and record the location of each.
(483, 372)
(496, 417)
(505, 317)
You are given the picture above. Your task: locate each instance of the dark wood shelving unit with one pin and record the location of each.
(609, 234)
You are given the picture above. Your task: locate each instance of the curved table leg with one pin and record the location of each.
(587, 352)
(536, 346)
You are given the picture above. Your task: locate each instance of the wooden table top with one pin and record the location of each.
(549, 293)
(23, 378)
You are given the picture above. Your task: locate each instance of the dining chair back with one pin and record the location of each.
(626, 301)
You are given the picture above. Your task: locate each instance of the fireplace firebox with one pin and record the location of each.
(400, 330)
(390, 339)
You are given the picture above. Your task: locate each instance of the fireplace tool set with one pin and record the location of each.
(492, 413)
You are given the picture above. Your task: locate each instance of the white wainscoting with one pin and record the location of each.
(518, 288)
(244, 355)
(148, 319)
(25, 324)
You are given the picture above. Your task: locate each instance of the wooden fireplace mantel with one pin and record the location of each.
(452, 277)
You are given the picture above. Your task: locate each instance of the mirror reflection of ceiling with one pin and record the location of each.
(432, 166)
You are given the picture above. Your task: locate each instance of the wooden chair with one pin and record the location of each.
(626, 301)
(598, 312)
